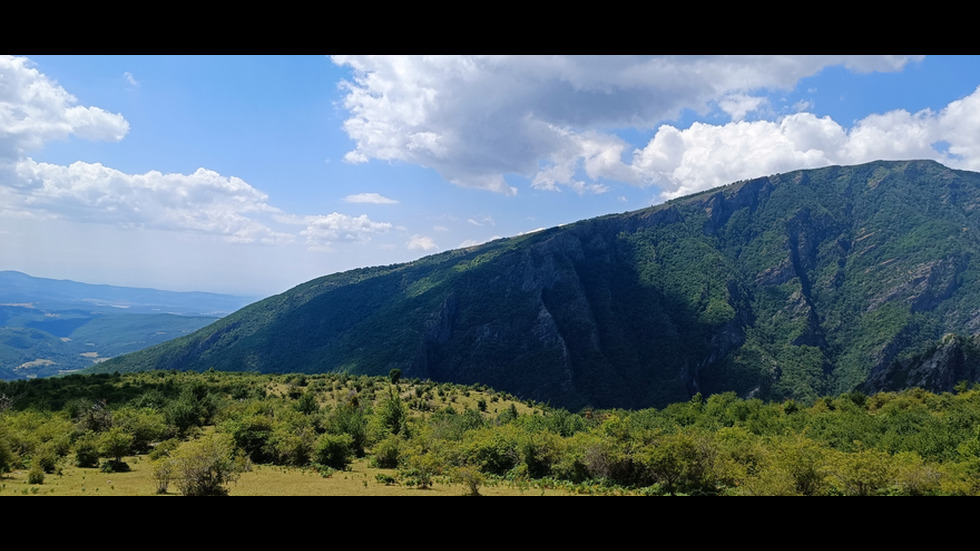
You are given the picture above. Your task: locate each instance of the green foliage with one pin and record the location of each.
(115, 443)
(87, 450)
(205, 467)
(7, 457)
(293, 439)
(388, 452)
(392, 415)
(419, 469)
(349, 418)
(335, 451)
(470, 477)
(146, 425)
(889, 443)
(163, 473)
(36, 474)
(307, 404)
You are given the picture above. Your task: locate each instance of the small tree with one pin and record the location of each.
(350, 419)
(470, 477)
(395, 375)
(335, 451)
(307, 404)
(392, 415)
(163, 472)
(6, 455)
(36, 474)
(388, 452)
(203, 467)
(87, 450)
(115, 443)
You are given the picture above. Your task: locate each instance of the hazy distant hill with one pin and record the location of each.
(51, 326)
(794, 285)
(63, 294)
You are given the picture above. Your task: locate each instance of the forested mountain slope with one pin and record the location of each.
(795, 285)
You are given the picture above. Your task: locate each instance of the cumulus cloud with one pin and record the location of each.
(373, 198)
(35, 110)
(202, 202)
(475, 119)
(324, 231)
(705, 155)
(421, 243)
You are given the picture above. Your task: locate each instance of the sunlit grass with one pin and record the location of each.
(262, 480)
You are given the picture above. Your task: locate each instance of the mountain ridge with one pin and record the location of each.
(792, 285)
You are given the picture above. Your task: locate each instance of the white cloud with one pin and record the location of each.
(202, 202)
(421, 243)
(704, 155)
(485, 220)
(35, 110)
(373, 198)
(131, 80)
(323, 231)
(475, 119)
(739, 105)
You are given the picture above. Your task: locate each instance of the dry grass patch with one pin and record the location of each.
(262, 480)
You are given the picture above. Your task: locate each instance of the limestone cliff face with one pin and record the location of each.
(952, 360)
(794, 285)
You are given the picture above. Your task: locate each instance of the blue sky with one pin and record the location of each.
(254, 174)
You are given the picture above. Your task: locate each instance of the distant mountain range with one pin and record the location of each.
(795, 285)
(50, 326)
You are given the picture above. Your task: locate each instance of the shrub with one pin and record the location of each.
(205, 466)
(391, 416)
(350, 419)
(419, 469)
(385, 479)
(87, 451)
(6, 455)
(334, 450)
(36, 474)
(115, 443)
(470, 477)
(46, 457)
(163, 472)
(387, 453)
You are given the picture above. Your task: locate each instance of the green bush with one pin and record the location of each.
(334, 450)
(36, 474)
(115, 443)
(205, 466)
(6, 455)
(388, 453)
(87, 451)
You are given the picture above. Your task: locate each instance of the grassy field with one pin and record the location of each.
(262, 480)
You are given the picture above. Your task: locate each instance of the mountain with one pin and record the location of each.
(50, 326)
(795, 285)
(63, 294)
